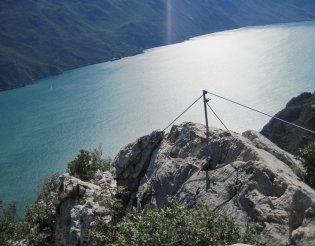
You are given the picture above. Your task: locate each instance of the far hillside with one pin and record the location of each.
(41, 38)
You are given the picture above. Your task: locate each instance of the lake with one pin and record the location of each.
(43, 126)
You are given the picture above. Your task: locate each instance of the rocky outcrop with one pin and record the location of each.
(80, 203)
(133, 160)
(261, 142)
(246, 177)
(299, 110)
(243, 176)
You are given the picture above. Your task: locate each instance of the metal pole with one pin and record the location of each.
(208, 165)
(205, 100)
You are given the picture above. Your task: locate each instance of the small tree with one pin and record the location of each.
(36, 227)
(49, 187)
(86, 164)
(8, 222)
(307, 156)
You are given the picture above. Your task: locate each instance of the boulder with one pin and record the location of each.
(133, 160)
(79, 206)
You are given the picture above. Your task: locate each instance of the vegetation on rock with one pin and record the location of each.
(87, 163)
(37, 225)
(307, 156)
(8, 220)
(300, 171)
(172, 225)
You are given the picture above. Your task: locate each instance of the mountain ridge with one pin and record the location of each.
(38, 39)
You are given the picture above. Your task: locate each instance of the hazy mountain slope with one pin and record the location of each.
(40, 38)
(47, 37)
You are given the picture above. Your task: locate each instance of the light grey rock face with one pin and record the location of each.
(80, 205)
(242, 177)
(261, 142)
(133, 160)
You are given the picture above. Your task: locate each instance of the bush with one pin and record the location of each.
(174, 225)
(299, 171)
(86, 164)
(307, 156)
(39, 220)
(8, 221)
(36, 227)
(49, 187)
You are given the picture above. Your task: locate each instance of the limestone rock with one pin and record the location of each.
(261, 142)
(80, 205)
(133, 160)
(243, 177)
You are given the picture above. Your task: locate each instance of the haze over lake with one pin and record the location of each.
(43, 126)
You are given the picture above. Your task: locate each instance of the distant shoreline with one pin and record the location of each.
(61, 71)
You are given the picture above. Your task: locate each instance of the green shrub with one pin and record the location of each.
(36, 227)
(49, 187)
(173, 225)
(307, 157)
(39, 219)
(86, 164)
(8, 222)
(300, 171)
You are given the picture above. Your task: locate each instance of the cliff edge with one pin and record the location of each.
(246, 177)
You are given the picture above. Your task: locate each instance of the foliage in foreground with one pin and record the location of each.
(307, 156)
(86, 164)
(36, 227)
(173, 225)
(8, 221)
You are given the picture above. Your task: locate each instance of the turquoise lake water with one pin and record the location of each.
(43, 126)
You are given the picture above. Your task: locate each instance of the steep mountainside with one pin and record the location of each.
(301, 111)
(41, 38)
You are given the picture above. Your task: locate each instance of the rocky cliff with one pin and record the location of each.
(82, 202)
(301, 111)
(244, 176)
